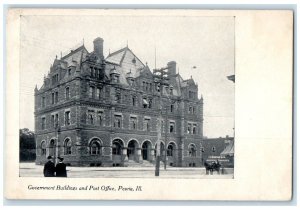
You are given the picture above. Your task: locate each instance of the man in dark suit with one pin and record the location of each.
(49, 168)
(60, 168)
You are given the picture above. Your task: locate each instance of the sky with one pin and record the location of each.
(204, 42)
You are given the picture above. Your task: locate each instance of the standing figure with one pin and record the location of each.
(60, 169)
(49, 168)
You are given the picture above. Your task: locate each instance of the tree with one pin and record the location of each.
(27, 145)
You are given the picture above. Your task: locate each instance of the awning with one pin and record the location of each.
(145, 102)
(229, 149)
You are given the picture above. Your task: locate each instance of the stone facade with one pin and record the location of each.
(97, 111)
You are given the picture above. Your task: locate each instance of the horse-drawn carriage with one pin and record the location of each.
(212, 166)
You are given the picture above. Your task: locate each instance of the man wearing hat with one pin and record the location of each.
(61, 168)
(49, 168)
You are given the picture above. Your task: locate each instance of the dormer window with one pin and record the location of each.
(69, 72)
(54, 79)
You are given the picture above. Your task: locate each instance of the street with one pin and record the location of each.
(32, 170)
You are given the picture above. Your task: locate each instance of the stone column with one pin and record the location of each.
(151, 155)
(139, 155)
(124, 153)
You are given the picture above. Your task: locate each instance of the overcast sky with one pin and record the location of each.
(204, 42)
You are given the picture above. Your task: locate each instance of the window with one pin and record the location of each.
(133, 100)
(189, 127)
(98, 92)
(43, 123)
(92, 92)
(172, 127)
(43, 101)
(133, 123)
(53, 121)
(192, 150)
(144, 85)
(172, 108)
(190, 110)
(118, 121)
(147, 124)
(56, 120)
(213, 149)
(67, 118)
(91, 117)
(95, 147)
(69, 72)
(54, 79)
(170, 150)
(43, 148)
(118, 98)
(194, 128)
(96, 73)
(145, 103)
(100, 118)
(56, 97)
(68, 147)
(67, 93)
(192, 95)
(150, 103)
(53, 98)
(92, 72)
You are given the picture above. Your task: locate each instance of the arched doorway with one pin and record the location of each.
(146, 150)
(132, 150)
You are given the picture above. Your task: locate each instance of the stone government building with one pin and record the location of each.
(97, 111)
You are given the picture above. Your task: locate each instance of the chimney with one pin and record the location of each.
(172, 68)
(98, 47)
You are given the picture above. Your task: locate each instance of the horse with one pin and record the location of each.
(210, 168)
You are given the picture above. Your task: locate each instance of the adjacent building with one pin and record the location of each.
(97, 111)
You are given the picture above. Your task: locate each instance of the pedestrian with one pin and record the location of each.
(49, 167)
(60, 169)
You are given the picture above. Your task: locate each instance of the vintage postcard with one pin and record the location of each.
(149, 104)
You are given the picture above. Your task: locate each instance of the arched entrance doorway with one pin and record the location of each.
(117, 147)
(132, 150)
(146, 150)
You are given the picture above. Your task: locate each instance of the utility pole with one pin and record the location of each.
(160, 77)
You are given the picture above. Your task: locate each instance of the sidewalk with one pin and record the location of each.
(32, 170)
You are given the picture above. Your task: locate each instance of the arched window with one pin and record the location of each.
(52, 147)
(43, 148)
(170, 150)
(95, 147)
(192, 150)
(68, 146)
